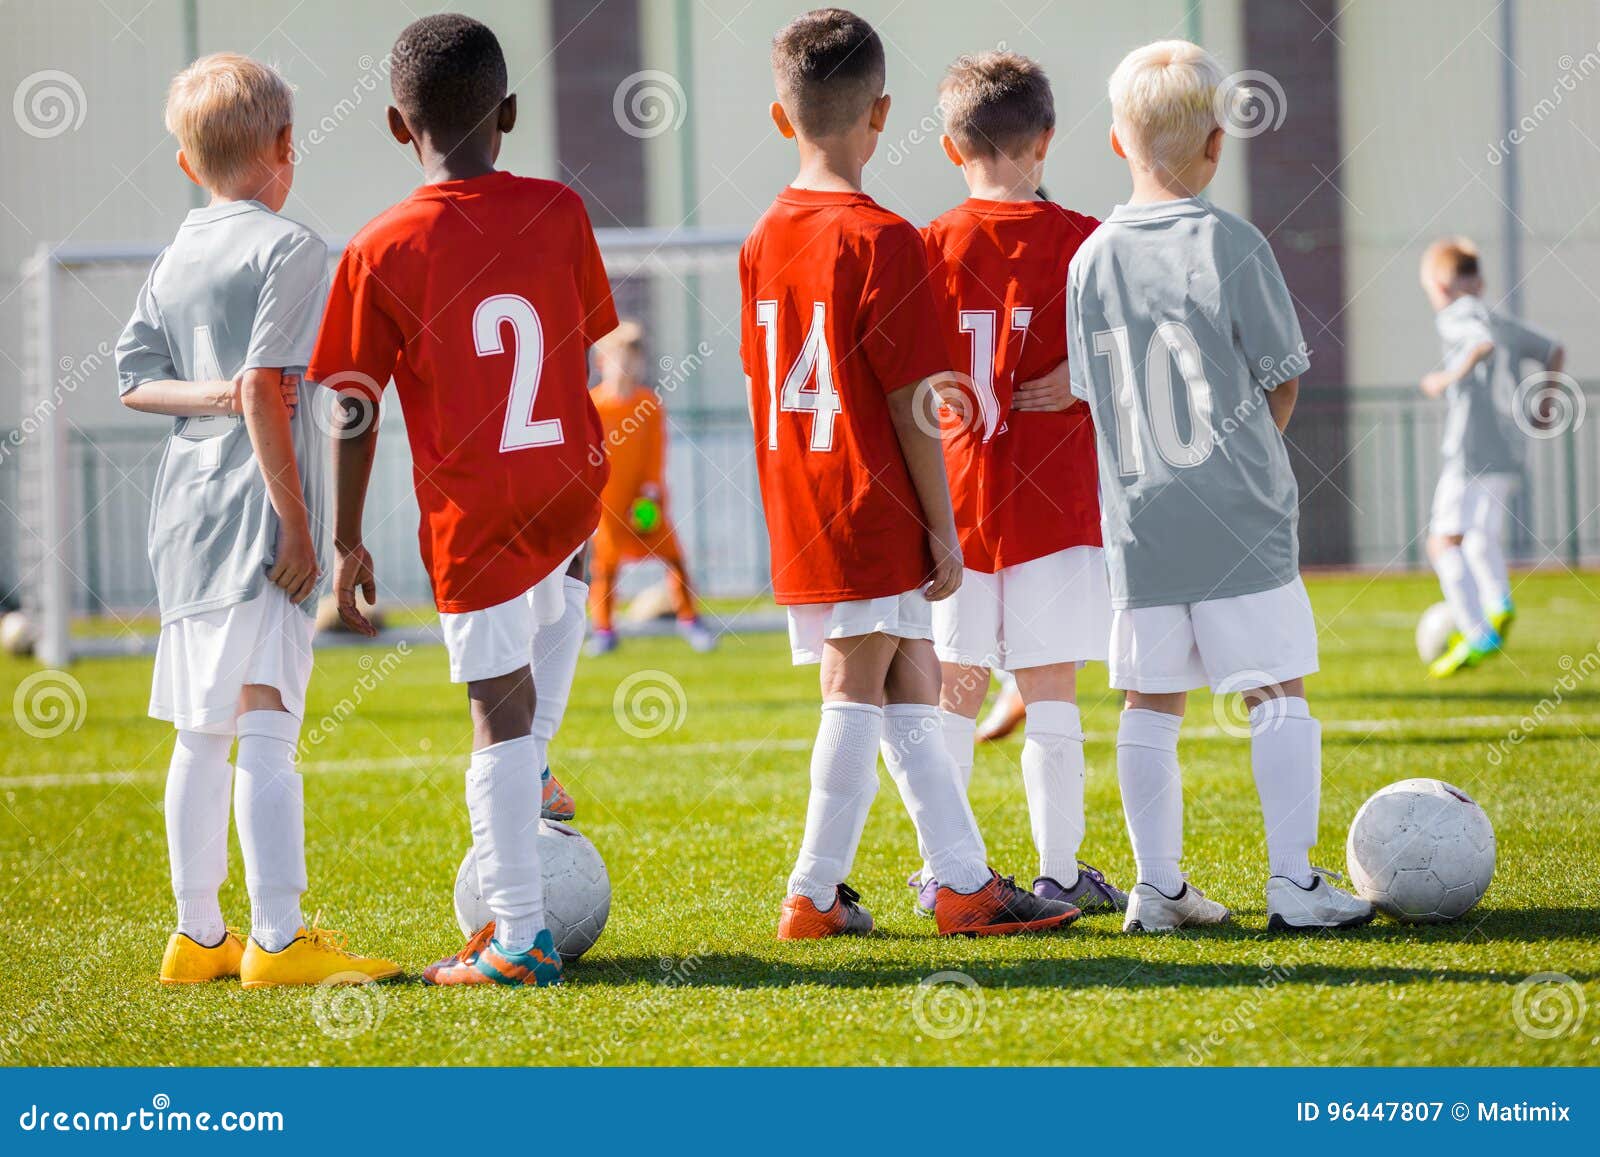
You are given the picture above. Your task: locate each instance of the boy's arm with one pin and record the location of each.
(924, 456)
(294, 567)
(1436, 383)
(175, 398)
(1280, 402)
(355, 443)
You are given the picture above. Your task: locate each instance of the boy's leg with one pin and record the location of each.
(693, 630)
(844, 766)
(556, 646)
(844, 777)
(961, 691)
(923, 771)
(1286, 758)
(270, 809)
(503, 801)
(198, 799)
(1152, 786)
(1053, 769)
(602, 598)
(1457, 583)
(1483, 532)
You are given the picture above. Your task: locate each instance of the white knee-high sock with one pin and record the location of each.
(503, 804)
(270, 809)
(844, 778)
(1152, 795)
(1460, 592)
(921, 767)
(960, 736)
(556, 647)
(1286, 757)
(1052, 775)
(1486, 561)
(198, 797)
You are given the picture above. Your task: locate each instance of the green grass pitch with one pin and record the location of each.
(699, 825)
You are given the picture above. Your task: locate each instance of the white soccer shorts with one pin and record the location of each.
(204, 661)
(497, 640)
(1463, 505)
(907, 616)
(1231, 644)
(1055, 609)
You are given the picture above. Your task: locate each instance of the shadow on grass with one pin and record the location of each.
(1286, 966)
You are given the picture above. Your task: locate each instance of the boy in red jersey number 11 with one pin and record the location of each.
(480, 295)
(839, 331)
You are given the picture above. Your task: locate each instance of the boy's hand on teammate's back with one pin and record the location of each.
(947, 564)
(352, 571)
(294, 569)
(1050, 393)
(289, 384)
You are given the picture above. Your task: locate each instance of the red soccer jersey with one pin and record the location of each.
(481, 299)
(1023, 484)
(837, 313)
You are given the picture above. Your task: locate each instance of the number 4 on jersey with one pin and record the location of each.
(815, 363)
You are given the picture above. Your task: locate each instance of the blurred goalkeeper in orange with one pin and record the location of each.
(633, 518)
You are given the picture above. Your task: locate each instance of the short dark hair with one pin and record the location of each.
(828, 67)
(447, 73)
(995, 102)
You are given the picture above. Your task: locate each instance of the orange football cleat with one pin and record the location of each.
(803, 920)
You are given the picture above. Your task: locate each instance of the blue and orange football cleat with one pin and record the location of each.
(999, 908)
(800, 919)
(187, 961)
(484, 961)
(555, 803)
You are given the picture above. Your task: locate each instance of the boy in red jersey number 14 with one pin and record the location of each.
(839, 331)
(480, 295)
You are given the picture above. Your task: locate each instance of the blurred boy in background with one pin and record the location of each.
(633, 518)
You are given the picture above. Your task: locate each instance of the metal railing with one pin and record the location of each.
(1371, 509)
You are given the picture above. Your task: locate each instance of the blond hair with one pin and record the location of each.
(226, 110)
(1164, 102)
(1449, 258)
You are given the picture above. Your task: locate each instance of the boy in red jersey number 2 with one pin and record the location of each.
(480, 294)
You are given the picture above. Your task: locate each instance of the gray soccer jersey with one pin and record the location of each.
(239, 288)
(1179, 323)
(1479, 434)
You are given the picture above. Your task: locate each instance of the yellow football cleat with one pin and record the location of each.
(314, 957)
(187, 961)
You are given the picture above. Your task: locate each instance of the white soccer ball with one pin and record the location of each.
(17, 636)
(577, 890)
(1421, 850)
(1433, 632)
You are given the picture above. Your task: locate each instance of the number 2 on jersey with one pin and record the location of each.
(814, 363)
(522, 431)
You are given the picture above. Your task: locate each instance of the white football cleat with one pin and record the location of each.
(1291, 908)
(1151, 910)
